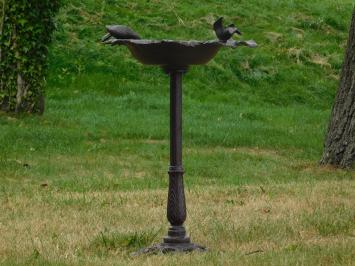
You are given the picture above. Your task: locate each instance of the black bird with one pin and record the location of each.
(119, 32)
(224, 33)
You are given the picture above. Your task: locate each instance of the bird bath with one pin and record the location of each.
(169, 53)
(174, 57)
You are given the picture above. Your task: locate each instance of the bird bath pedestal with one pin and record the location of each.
(174, 57)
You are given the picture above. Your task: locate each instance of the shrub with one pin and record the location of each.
(25, 28)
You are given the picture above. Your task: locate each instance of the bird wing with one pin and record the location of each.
(122, 32)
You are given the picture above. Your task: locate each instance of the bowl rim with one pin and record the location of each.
(167, 41)
(183, 43)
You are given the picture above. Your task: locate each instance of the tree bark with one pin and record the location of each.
(339, 146)
(21, 83)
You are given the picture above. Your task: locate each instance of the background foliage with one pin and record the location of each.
(25, 36)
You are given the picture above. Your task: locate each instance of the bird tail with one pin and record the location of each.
(218, 24)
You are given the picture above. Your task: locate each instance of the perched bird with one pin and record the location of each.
(224, 33)
(119, 32)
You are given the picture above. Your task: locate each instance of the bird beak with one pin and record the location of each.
(106, 37)
(237, 31)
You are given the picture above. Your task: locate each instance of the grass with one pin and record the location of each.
(86, 183)
(306, 223)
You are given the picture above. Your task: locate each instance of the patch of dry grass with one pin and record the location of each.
(103, 228)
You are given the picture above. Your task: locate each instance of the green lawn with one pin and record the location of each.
(86, 183)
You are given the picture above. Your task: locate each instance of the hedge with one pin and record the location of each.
(26, 28)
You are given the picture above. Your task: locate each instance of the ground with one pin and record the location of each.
(86, 183)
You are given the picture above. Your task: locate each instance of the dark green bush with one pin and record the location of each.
(25, 28)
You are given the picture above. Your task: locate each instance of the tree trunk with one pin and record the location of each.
(21, 83)
(339, 146)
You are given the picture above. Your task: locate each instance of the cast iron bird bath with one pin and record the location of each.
(174, 57)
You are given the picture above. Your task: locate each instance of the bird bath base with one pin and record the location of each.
(164, 248)
(176, 241)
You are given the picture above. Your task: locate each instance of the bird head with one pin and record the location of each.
(233, 29)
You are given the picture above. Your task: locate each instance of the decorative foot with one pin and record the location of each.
(164, 248)
(175, 241)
